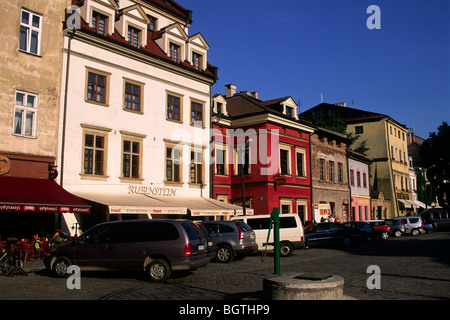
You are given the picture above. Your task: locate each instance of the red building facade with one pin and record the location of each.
(270, 144)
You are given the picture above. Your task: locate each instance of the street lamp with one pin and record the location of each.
(242, 150)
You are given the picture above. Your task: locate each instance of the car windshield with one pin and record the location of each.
(309, 227)
(243, 226)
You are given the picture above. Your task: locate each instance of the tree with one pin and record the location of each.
(336, 123)
(435, 157)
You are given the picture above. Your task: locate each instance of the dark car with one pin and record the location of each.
(381, 229)
(396, 226)
(438, 217)
(154, 246)
(327, 233)
(231, 238)
(361, 230)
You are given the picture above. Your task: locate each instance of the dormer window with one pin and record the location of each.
(152, 24)
(133, 36)
(290, 112)
(197, 60)
(99, 23)
(174, 52)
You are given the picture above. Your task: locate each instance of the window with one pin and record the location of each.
(196, 114)
(331, 170)
(196, 167)
(300, 164)
(221, 156)
(131, 159)
(173, 164)
(197, 60)
(152, 25)
(392, 153)
(132, 96)
(284, 162)
(99, 23)
(94, 154)
(173, 108)
(174, 52)
(359, 129)
(358, 178)
(340, 172)
(25, 112)
(352, 177)
(30, 32)
(242, 157)
(96, 88)
(364, 180)
(133, 36)
(321, 169)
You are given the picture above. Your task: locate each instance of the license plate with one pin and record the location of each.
(210, 244)
(252, 236)
(200, 248)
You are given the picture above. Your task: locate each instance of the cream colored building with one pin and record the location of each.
(134, 136)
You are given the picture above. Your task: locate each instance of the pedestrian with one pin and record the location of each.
(37, 246)
(331, 218)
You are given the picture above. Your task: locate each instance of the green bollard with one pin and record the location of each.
(276, 240)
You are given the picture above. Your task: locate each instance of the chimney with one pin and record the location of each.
(341, 104)
(255, 94)
(230, 90)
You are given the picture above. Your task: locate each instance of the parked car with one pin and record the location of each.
(429, 226)
(396, 226)
(413, 224)
(361, 230)
(439, 216)
(291, 232)
(155, 246)
(381, 229)
(231, 239)
(327, 233)
(210, 248)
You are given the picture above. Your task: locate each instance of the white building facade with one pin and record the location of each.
(134, 124)
(359, 181)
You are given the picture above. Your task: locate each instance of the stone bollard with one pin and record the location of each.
(304, 286)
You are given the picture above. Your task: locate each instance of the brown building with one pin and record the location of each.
(30, 77)
(329, 175)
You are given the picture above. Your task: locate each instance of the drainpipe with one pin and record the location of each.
(63, 144)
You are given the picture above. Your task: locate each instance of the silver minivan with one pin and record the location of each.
(413, 224)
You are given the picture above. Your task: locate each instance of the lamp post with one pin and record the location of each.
(242, 150)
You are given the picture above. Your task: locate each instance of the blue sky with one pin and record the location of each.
(305, 48)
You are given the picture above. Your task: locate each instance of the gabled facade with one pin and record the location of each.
(135, 122)
(386, 140)
(329, 179)
(359, 181)
(261, 148)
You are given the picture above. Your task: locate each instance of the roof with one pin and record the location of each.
(172, 7)
(349, 115)
(242, 105)
(151, 49)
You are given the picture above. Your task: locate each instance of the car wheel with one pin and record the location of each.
(398, 234)
(385, 236)
(158, 270)
(286, 249)
(224, 254)
(60, 266)
(415, 232)
(347, 241)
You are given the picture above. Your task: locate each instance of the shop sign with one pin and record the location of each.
(152, 191)
(5, 165)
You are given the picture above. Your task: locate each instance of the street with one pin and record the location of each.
(413, 268)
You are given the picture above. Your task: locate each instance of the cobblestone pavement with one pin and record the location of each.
(411, 268)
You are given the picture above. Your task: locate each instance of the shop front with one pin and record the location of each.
(29, 206)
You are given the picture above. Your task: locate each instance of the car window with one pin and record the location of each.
(243, 226)
(142, 232)
(414, 220)
(255, 224)
(193, 231)
(335, 226)
(225, 229)
(322, 227)
(212, 227)
(96, 235)
(288, 223)
(404, 221)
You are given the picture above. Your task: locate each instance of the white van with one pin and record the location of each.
(291, 231)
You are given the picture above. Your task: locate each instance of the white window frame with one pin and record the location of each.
(289, 163)
(30, 28)
(25, 110)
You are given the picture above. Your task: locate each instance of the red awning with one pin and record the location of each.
(38, 195)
